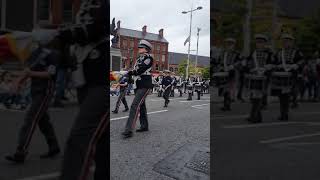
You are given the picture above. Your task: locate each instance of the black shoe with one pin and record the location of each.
(50, 154)
(17, 157)
(127, 134)
(115, 112)
(166, 105)
(127, 109)
(142, 129)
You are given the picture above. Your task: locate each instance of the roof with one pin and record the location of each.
(138, 34)
(177, 58)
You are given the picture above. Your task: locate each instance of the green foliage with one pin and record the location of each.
(307, 34)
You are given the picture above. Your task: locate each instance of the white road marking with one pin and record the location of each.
(260, 125)
(193, 101)
(200, 105)
(124, 117)
(288, 138)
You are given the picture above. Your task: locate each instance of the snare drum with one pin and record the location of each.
(255, 82)
(220, 79)
(281, 82)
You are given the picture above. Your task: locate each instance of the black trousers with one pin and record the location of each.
(37, 114)
(138, 106)
(122, 98)
(88, 139)
(284, 104)
(199, 94)
(227, 99)
(255, 113)
(166, 94)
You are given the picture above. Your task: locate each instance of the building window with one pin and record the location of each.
(124, 43)
(67, 11)
(43, 10)
(163, 58)
(157, 67)
(132, 44)
(131, 53)
(158, 47)
(164, 49)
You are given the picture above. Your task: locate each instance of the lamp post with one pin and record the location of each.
(197, 50)
(185, 12)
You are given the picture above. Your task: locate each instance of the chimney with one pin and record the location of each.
(161, 33)
(118, 24)
(144, 30)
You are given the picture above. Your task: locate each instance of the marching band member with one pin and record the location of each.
(41, 68)
(288, 59)
(173, 84)
(167, 82)
(142, 87)
(189, 86)
(123, 84)
(227, 62)
(259, 63)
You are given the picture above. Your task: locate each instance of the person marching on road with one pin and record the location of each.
(142, 86)
(259, 63)
(288, 56)
(189, 86)
(160, 90)
(173, 84)
(179, 86)
(167, 84)
(198, 88)
(41, 68)
(227, 62)
(123, 84)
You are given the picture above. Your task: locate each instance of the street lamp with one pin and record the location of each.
(185, 12)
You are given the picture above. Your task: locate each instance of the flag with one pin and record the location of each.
(187, 40)
(15, 44)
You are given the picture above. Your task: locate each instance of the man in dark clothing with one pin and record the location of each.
(41, 68)
(166, 84)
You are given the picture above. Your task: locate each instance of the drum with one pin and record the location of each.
(198, 87)
(255, 82)
(281, 82)
(220, 79)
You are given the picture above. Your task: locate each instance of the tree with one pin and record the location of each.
(307, 34)
(182, 68)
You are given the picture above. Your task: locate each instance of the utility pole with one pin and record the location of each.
(197, 50)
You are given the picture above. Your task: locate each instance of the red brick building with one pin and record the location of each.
(29, 14)
(129, 40)
(56, 12)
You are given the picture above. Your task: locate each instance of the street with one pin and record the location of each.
(181, 130)
(269, 150)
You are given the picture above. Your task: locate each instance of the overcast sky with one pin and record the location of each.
(166, 14)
